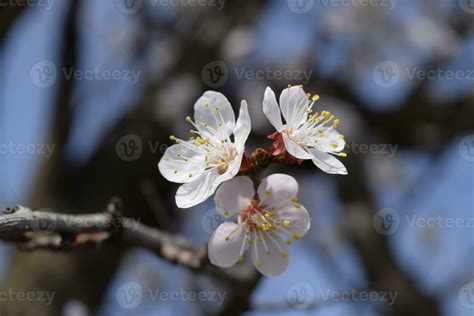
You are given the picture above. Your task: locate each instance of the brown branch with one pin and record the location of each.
(33, 230)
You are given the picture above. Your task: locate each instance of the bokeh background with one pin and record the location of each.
(80, 79)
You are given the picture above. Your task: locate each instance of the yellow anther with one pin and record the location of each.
(340, 136)
(188, 118)
(286, 222)
(297, 206)
(294, 199)
(226, 213)
(218, 108)
(301, 86)
(342, 154)
(251, 241)
(268, 192)
(334, 145)
(289, 86)
(259, 264)
(336, 122)
(172, 137)
(176, 171)
(284, 254)
(289, 242)
(259, 238)
(226, 238)
(296, 236)
(315, 98)
(240, 258)
(190, 175)
(206, 105)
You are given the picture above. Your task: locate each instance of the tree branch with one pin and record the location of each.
(33, 230)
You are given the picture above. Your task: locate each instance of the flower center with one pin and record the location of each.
(256, 217)
(223, 162)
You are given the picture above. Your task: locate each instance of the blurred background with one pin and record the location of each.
(82, 79)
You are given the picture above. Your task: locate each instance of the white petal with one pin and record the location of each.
(330, 141)
(277, 188)
(205, 111)
(197, 191)
(298, 217)
(272, 110)
(243, 126)
(232, 170)
(225, 253)
(328, 163)
(295, 149)
(177, 169)
(293, 104)
(234, 195)
(270, 255)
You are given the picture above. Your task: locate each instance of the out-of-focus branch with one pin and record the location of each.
(8, 15)
(383, 271)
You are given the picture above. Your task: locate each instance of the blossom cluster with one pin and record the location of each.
(263, 218)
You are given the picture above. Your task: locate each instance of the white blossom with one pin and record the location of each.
(267, 222)
(306, 135)
(210, 157)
